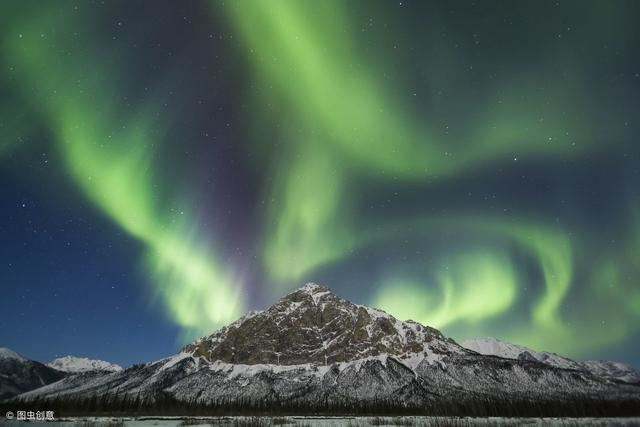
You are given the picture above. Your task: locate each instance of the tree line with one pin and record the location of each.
(165, 404)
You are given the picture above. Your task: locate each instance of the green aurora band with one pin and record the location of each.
(345, 125)
(347, 128)
(110, 158)
(344, 119)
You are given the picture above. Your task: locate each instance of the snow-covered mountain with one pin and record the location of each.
(496, 347)
(19, 374)
(617, 370)
(7, 354)
(82, 364)
(313, 325)
(314, 349)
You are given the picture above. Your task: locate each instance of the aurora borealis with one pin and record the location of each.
(470, 166)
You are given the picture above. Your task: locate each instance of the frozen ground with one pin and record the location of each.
(334, 421)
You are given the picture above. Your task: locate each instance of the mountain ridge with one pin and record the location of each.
(336, 354)
(82, 364)
(7, 353)
(313, 325)
(496, 347)
(19, 374)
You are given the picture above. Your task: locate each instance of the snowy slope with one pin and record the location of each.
(82, 364)
(19, 374)
(417, 382)
(6, 353)
(496, 347)
(620, 371)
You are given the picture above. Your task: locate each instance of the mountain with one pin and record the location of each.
(496, 347)
(617, 370)
(82, 364)
(312, 325)
(315, 352)
(8, 354)
(492, 346)
(19, 374)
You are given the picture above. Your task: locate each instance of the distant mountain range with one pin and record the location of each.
(82, 364)
(603, 368)
(313, 351)
(19, 374)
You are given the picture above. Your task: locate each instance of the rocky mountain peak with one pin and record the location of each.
(310, 294)
(312, 288)
(314, 326)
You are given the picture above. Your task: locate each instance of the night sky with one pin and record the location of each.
(167, 166)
